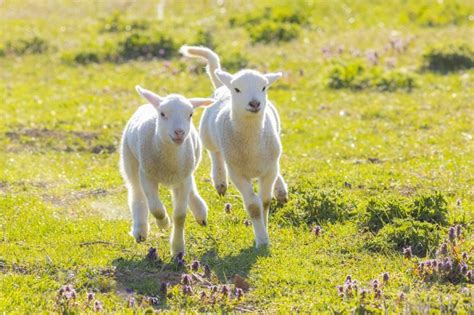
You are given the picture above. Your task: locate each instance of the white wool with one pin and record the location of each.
(161, 146)
(241, 132)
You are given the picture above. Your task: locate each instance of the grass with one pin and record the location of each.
(361, 163)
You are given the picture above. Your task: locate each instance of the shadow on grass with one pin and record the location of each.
(227, 267)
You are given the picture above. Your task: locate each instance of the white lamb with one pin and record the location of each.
(161, 146)
(241, 131)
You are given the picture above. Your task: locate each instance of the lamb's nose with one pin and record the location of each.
(254, 104)
(179, 132)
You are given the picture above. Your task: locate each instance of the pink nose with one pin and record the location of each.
(254, 104)
(179, 132)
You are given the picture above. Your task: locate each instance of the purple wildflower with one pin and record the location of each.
(363, 293)
(463, 268)
(203, 296)
(444, 249)
(348, 278)
(195, 265)
(401, 296)
(227, 207)
(458, 230)
(385, 276)
(131, 302)
(317, 230)
(372, 57)
(213, 289)
(378, 293)
(187, 290)
(90, 296)
(164, 288)
(375, 284)
(186, 279)
(469, 276)
(452, 233)
(98, 306)
(239, 293)
(153, 300)
(207, 271)
(152, 254)
(464, 256)
(407, 252)
(340, 288)
(225, 290)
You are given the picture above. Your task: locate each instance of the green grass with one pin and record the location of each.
(361, 162)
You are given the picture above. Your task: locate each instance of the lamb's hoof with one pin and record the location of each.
(221, 189)
(203, 223)
(140, 233)
(281, 196)
(163, 223)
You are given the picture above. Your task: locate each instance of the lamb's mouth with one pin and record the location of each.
(178, 140)
(253, 110)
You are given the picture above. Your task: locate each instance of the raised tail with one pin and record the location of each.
(209, 56)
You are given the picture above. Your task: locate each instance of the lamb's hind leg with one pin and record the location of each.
(267, 183)
(218, 172)
(156, 207)
(136, 198)
(197, 205)
(280, 189)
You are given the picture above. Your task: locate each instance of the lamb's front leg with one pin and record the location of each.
(180, 207)
(156, 207)
(197, 204)
(267, 183)
(218, 172)
(253, 205)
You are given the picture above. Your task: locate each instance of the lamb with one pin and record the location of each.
(161, 146)
(241, 132)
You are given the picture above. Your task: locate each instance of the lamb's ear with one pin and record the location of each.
(224, 77)
(272, 77)
(197, 102)
(151, 97)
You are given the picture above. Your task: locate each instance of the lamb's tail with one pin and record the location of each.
(208, 55)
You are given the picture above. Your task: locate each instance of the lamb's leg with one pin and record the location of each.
(150, 189)
(136, 198)
(180, 207)
(266, 187)
(253, 205)
(280, 190)
(197, 204)
(218, 172)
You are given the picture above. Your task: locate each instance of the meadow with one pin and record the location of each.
(377, 115)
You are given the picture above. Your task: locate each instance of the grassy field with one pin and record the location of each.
(377, 115)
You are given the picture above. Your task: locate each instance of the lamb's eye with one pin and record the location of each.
(190, 115)
(162, 114)
(237, 90)
(264, 88)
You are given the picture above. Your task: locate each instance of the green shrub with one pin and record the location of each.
(438, 13)
(356, 76)
(421, 236)
(430, 208)
(234, 62)
(380, 212)
(34, 45)
(281, 14)
(116, 23)
(204, 38)
(144, 46)
(269, 31)
(85, 58)
(449, 58)
(310, 205)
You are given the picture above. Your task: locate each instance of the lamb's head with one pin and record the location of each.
(174, 114)
(248, 89)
